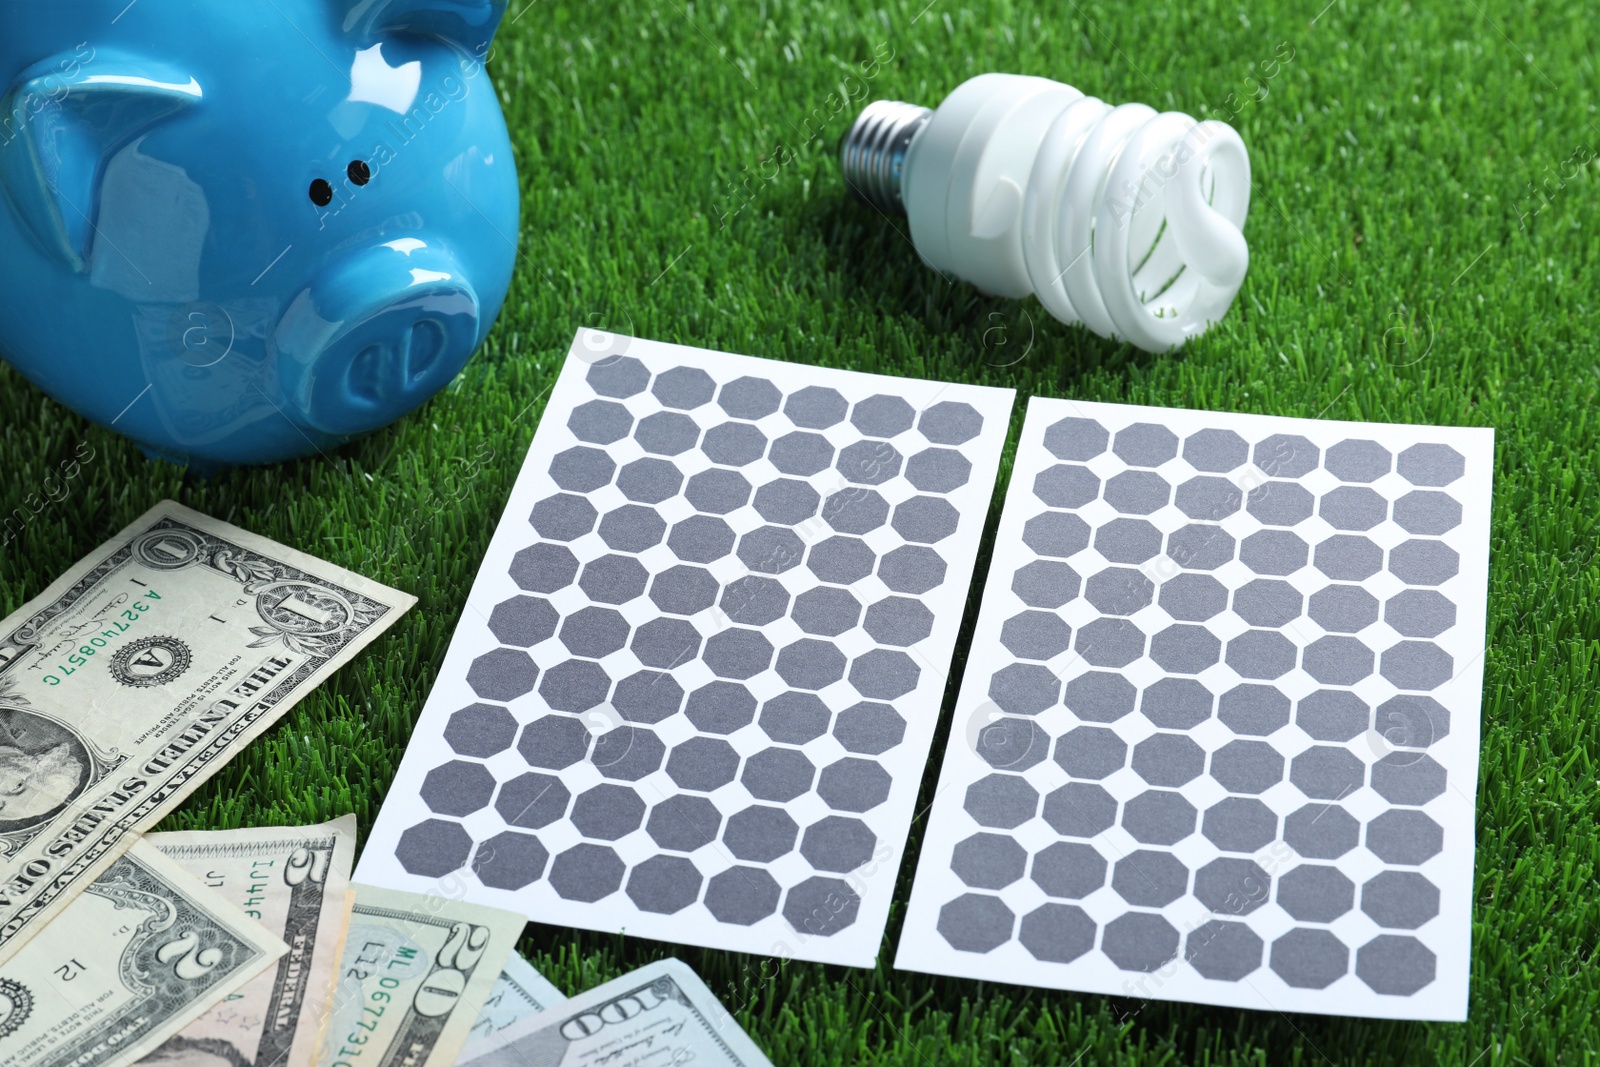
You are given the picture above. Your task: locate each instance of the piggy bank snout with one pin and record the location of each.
(375, 336)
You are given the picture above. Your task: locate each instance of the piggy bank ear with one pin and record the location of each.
(60, 122)
(468, 24)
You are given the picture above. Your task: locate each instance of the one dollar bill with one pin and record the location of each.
(294, 880)
(416, 972)
(141, 952)
(519, 992)
(140, 672)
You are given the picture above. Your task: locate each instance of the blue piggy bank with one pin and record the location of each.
(243, 232)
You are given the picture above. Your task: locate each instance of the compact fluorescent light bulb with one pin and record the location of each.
(1121, 218)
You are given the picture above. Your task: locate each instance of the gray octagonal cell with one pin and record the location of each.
(1267, 602)
(1276, 552)
(882, 416)
(742, 896)
(701, 539)
(1208, 498)
(787, 501)
(976, 922)
(1193, 597)
(628, 753)
(1168, 759)
(869, 462)
(1080, 809)
(510, 860)
(684, 823)
(717, 491)
(1239, 824)
(1420, 612)
(1316, 893)
(760, 833)
(1280, 503)
(1137, 492)
(532, 800)
(554, 741)
(816, 407)
(771, 549)
(988, 861)
(1074, 438)
(794, 718)
(1419, 665)
(1343, 609)
(480, 730)
(618, 376)
(1424, 511)
(1145, 444)
(1264, 654)
(1419, 562)
(1108, 642)
(607, 812)
(754, 600)
(666, 643)
(1148, 878)
(563, 517)
(1411, 720)
(1100, 696)
(1011, 744)
(1409, 778)
(1337, 660)
(1247, 766)
(749, 398)
(1184, 648)
(632, 528)
(1140, 941)
(777, 773)
(925, 520)
(853, 784)
(1090, 752)
(899, 620)
(600, 422)
(1224, 951)
(1254, 710)
(720, 708)
(1215, 451)
(594, 632)
(502, 674)
(1348, 558)
(1321, 831)
(703, 764)
(801, 453)
(684, 388)
(582, 469)
(1353, 507)
(587, 872)
(1056, 933)
(1068, 869)
(870, 728)
(1056, 534)
(1159, 817)
(1045, 583)
(938, 470)
(1404, 836)
(1066, 485)
(855, 510)
(821, 907)
(950, 422)
(841, 560)
(1395, 964)
(611, 579)
(457, 788)
(1036, 635)
(1124, 540)
(1286, 455)
(1176, 703)
(827, 610)
(1333, 715)
(1431, 465)
(1358, 461)
(684, 590)
(1001, 801)
(543, 568)
(1309, 958)
(1200, 546)
(1119, 590)
(1327, 772)
(837, 843)
(1399, 900)
(647, 697)
(666, 433)
(433, 848)
(734, 444)
(1229, 885)
(649, 480)
(738, 653)
(664, 885)
(884, 674)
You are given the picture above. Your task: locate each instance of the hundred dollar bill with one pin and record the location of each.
(138, 954)
(416, 972)
(295, 880)
(660, 1014)
(140, 672)
(519, 992)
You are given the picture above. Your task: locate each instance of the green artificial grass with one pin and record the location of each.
(679, 182)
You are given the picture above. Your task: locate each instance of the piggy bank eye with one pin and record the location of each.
(321, 193)
(359, 172)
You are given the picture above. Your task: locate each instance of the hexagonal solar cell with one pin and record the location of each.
(1209, 498)
(882, 416)
(1420, 612)
(1057, 533)
(787, 501)
(1147, 878)
(754, 601)
(554, 741)
(853, 784)
(1184, 648)
(1140, 941)
(480, 730)
(912, 569)
(1348, 558)
(684, 388)
(649, 480)
(1001, 801)
(665, 643)
(1353, 507)
(1423, 511)
(1267, 602)
(1074, 438)
(1431, 465)
(563, 517)
(1009, 744)
(587, 872)
(815, 407)
(938, 470)
(433, 848)
(821, 907)
(1400, 900)
(600, 422)
(1404, 836)
(1079, 809)
(760, 833)
(1223, 950)
(1280, 503)
(1333, 715)
(1100, 696)
(618, 376)
(771, 549)
(869, 727)
(510, 860)
(1408, 778)
(1108, 642)
(1215, 451)
(1337, 660)
(611, 579)
(1273, 552)
(664, 885)
(1261, 654)
(1068, 869)
(950, 422)
(925, 520)
(1327, 772)
(1176, 703)
(976, 922)
(1253, 709)
(628, 753)
(841, 560)
(1168, 759)
(869, 462)
(749, 398)
(683, 590)
(607, 812)
(582, 469)
(1119, 590)
(742, 896)
(457, 787)
(1123, 541)
(1284, 455)
(1316, 893)
(1321, 831)
(1247, 766)
(1137, 492)
(794, 718)
(826, 610)
(855, 510)
(811, 664)
(703, 764)
(1417, 562)
(1396, 964)
(898, 620)
(666, 433)
(1343, 609)
(837, 843)
(1090, 752)
(777, 773)
(801, 453)
(1239, 824)
(1193, 597)
(532, 800)
(543, 568)
(721, 707)
(1066, 485)
(988, 861)
(1056, 933)
(1229, 885)
(1308, 958)
(884, 674)
(734, 444)
(1200, 546)
(1358, 461)
(594, 632)
(717, 491)
(1038, 635)
(502, 674)
(1159, 817)
(632, 528)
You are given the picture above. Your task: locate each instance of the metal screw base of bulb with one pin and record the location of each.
(874, 151)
